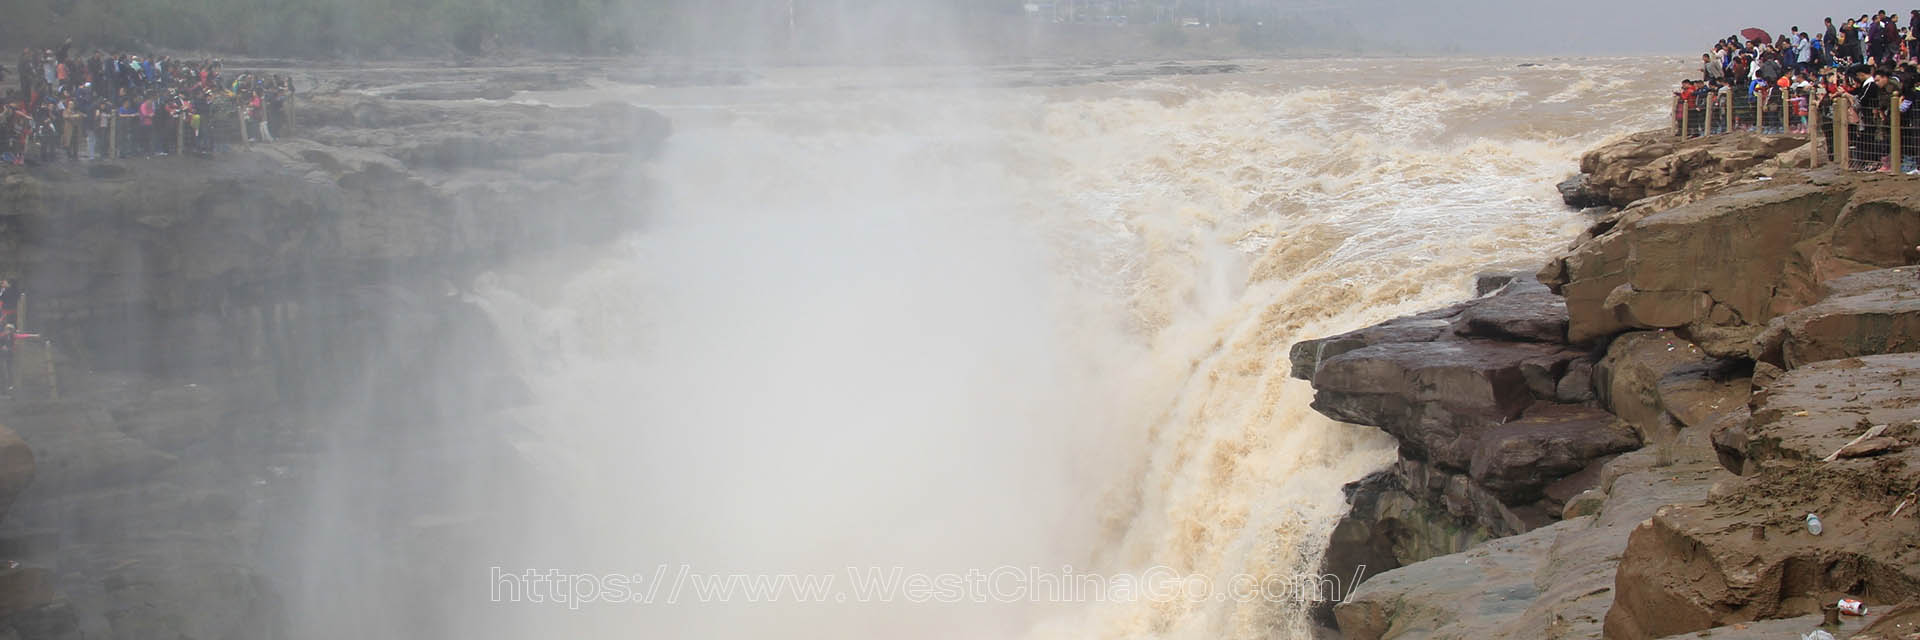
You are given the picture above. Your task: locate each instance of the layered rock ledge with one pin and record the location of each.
(1628, 444)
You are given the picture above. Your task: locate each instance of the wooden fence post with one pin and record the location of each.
(1842, 138)
(1729, 109)
(1786, 111)
(1680, 115)
(1814, 141)
(1894, 155)
(1706, 127)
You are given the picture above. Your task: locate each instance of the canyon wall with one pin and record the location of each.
(217, 323)
(1627, 443)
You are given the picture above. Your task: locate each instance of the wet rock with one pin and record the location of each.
(1552, 582)
(1576, 192)
(1576, 386)
(1490, 281)
(1863, 314)
(1307, 355)
(1366, 541)
(1628, 379)
(1519, 459)
(1700, 394)
(1699, 565)
(1519, 308)
(1730, 441)
(1705, 270)
(1464, 595)
(1373, 537)
(1413, 511)
(1814, 411)
(1535, 316)
(1896, 622)
(1468, 390)
(1435, 397)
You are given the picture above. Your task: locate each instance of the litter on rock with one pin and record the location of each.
(1871, 433)
(1853, 607)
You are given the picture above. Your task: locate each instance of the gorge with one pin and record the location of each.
(578, 316)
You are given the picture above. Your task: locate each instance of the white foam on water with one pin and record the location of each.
(950, 329)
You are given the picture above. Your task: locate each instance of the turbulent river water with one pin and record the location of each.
(953, 320)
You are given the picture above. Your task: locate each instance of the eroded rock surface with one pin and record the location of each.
(1656, 162)
(1719, 268)
(1747, 318)
(1862, 314)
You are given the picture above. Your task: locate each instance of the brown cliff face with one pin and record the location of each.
(1742, 318)
(1720, 268)
(1745, 553)
(1655, 163)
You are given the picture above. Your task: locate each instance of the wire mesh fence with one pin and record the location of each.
(1876, 137)
(1862, 137)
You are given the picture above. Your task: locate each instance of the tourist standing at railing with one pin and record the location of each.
(1742, 74)
(97, 123)
(151, 141)
(70, 118)
(1710, 69)
(1871, 139)
(125, 119)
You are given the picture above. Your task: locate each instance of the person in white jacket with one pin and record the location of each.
(1803, 52)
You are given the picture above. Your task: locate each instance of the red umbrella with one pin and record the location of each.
(1756, 35)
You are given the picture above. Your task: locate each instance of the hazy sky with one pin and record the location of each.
(1589, 27)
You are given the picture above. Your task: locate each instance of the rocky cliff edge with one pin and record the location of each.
(1627, 443)
(202, 308)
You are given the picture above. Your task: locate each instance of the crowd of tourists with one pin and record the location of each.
(69, 105)
(1789, 83)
